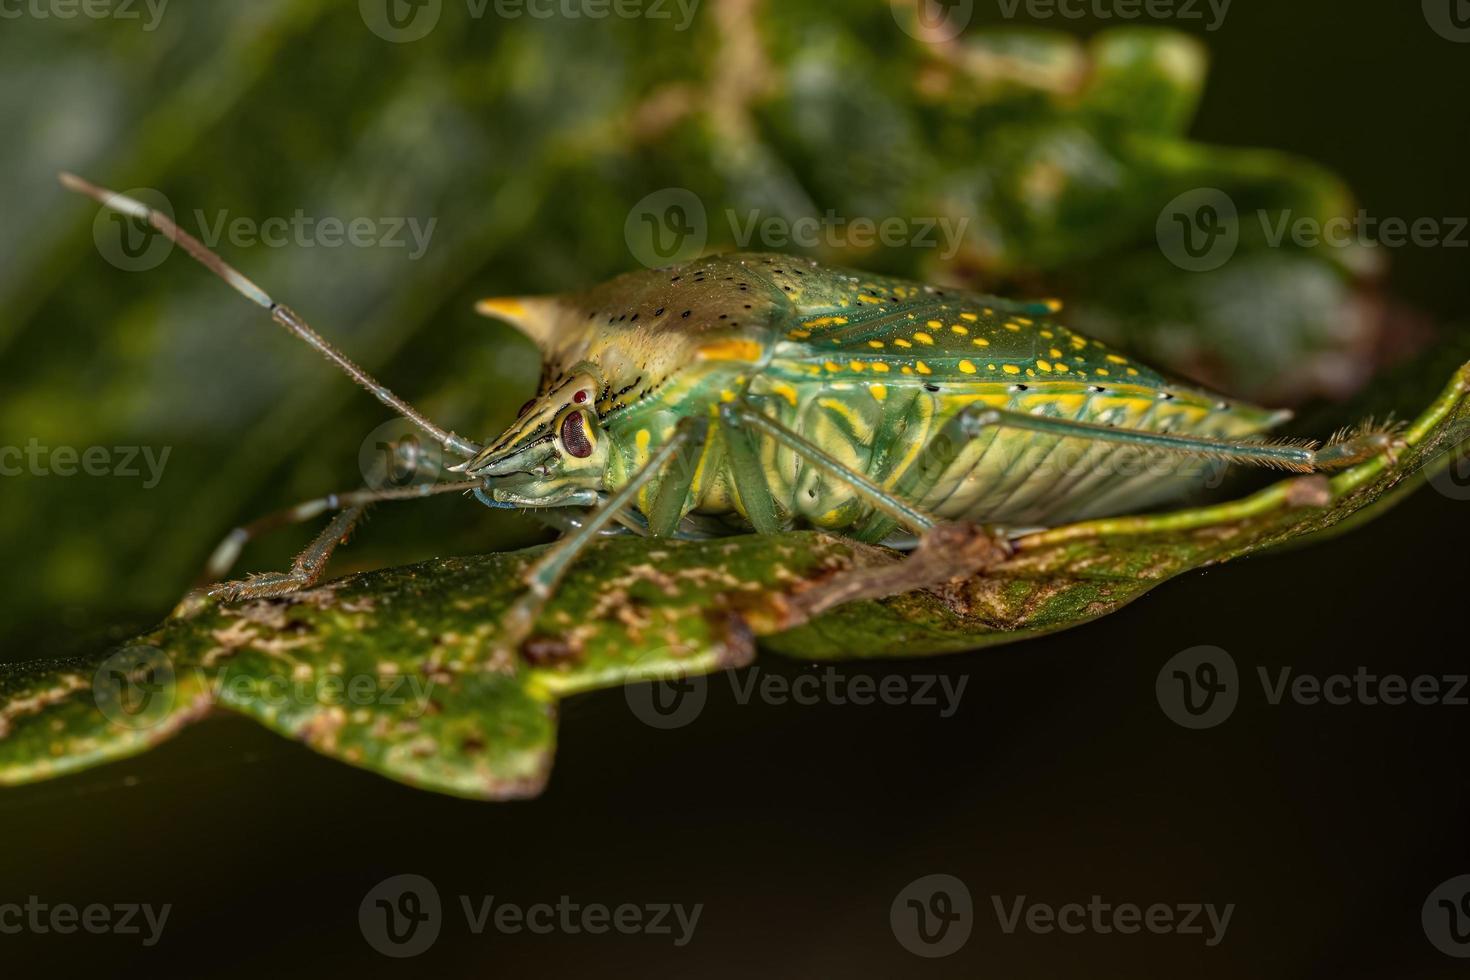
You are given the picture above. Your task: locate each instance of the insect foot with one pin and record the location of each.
(945, 553)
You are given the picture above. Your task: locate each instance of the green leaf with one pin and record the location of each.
(399, 671)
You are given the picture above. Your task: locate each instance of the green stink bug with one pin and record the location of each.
(757, 392)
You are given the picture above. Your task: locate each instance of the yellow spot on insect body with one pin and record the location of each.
(1013, 327)
(961, 330)
(871, 300)
(1055, 354)
(923, 338)
(969, 316)
(832, 366)
(902, 343)
(876, 344)
(1011, 369)
(980, 342)
(878, 391)
(857, 365)
(922, 368)
(968, 367)
(1045, 366)
(935, 325)
(879, 367)
(785, 391)
(825, 321)
(735, 349)
(727, 395)
(1116, 359)
(799, 334)
(1054, 305)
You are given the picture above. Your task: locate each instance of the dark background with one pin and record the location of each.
(795, 826)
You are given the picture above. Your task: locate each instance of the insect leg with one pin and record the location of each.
(223, 558)
(542, 578)
(945, 551)
(305, 571)
(1370, 442)
(901, 511)
(283, 315)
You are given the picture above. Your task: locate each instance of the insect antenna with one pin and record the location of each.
(282, 314)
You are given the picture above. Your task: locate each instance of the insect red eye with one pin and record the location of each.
(525, 408)
(580, 398)
(574, 436)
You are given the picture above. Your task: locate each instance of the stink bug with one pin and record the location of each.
(760, 392)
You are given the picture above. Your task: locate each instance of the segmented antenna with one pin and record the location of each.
(282, 314)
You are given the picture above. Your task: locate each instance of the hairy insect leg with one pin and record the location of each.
(542, 578)
(282, 314)
(945, 551)
(305, 571)
(227, 552)
(1344, 450)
